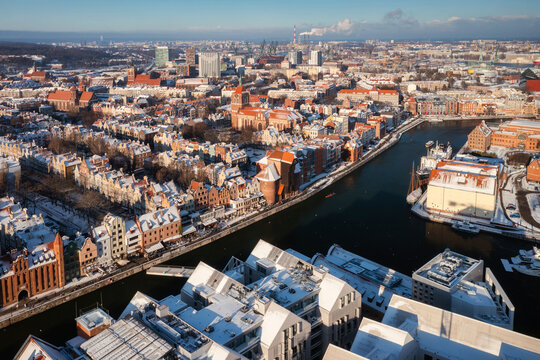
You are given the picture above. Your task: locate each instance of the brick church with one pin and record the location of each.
(244, 116)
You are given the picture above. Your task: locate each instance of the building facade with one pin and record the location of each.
(209, 65)
(27, 273)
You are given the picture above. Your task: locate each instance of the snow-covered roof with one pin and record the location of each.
(465, 176)
(376, 340)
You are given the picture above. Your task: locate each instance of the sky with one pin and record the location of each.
(272, 20)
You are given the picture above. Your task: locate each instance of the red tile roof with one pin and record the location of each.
(86, 96)
(388, 92)
(142, 79)
(154, 82)
(283, 156)
(59, 95)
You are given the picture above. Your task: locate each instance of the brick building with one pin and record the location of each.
(70, 100)
(279, 177)
(25, 273)
(244, 116)
(533, 171)
(518, 134)
(159, 225)
(480, 138)
(88, 253)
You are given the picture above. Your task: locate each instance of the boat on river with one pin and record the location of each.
(429, 161)
(527, 262)
(465, 226)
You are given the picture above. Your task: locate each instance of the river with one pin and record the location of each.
(368, 216)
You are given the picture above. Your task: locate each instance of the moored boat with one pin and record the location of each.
(527, 262)
(465, 226)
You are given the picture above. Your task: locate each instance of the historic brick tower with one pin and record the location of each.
(239, 99)
(131, 74)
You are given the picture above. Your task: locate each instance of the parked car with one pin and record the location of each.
(515, 215)
(510, 207)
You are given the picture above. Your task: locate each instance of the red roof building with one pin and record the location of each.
(70, 100)
(533, 85)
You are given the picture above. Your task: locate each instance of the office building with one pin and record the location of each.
(162, 56)
(209, 65)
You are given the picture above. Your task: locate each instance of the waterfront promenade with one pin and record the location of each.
(60, 296)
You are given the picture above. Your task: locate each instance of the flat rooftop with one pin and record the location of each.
(94, 318)
(287, 287)
(365, 276)
(447, 269)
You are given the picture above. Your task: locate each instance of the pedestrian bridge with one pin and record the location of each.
(175, 271)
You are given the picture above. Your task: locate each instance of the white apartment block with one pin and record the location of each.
(411, 330)
(272, 306)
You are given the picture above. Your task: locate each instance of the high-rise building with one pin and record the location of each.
(295, 57)
(162, 56)
(209, 65)
(191, 57)
(315, 58)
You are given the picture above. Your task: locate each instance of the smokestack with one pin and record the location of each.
(294, 42)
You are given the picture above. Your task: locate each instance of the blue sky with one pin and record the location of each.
(274, 19)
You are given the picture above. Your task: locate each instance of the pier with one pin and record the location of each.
(174, 271)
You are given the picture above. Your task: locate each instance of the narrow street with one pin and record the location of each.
(522, 203)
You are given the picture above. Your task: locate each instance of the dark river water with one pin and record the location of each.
(368, 216)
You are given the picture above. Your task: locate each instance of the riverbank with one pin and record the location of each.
(62, 296)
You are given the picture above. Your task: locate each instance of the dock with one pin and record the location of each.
(174, 271)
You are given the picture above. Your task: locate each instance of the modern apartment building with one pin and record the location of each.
(458, 283)
(209, 65)
(273, 305)
(315, 58)
(295, 57)
(413, 330)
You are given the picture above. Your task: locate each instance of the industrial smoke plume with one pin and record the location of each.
(341, 27)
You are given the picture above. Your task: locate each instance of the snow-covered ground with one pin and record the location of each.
(255, 155)
(499, 151)
(69, 218)
(534, 204)
(531, 186)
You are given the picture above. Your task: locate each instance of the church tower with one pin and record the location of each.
(131, 74)
(239, 99)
